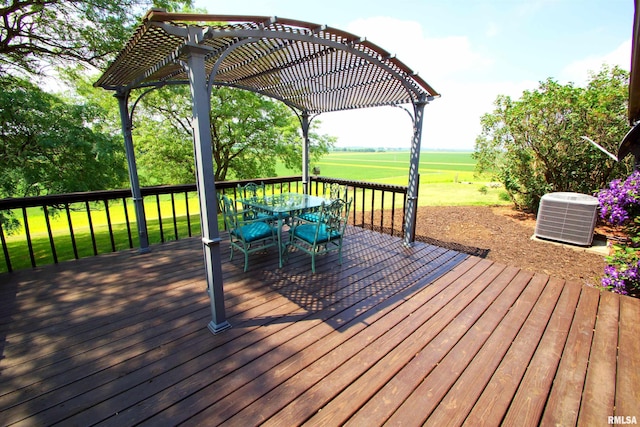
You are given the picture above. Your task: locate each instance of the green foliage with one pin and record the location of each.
(504, 196)
(50, 146)
(162, 137)
(249, 134)
(36, 33)
(621, 273)
(534, 146)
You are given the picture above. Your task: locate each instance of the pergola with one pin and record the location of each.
(311, 68)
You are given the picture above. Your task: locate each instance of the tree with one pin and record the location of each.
(249, 133)
(534, 144)
(37, 33)
(52, 146)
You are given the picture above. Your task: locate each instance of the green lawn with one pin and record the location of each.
(446, 178)
(392, 167)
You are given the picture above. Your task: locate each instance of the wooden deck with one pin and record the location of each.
(396, 335)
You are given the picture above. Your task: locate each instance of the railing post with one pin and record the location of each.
(415, 217)
(5, 249)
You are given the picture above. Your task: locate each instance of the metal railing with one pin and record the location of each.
(375, 206)
(50, 230)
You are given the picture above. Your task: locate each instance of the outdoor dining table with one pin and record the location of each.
(282, 207)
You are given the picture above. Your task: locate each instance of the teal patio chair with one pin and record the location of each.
(247, 235)
(253, 190)
(336, 191)
(322, 236)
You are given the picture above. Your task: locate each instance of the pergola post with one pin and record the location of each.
(305, 151)
(411, 209)
(205, 180)
(138, 202)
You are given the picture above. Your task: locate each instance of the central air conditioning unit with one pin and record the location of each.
(567, 217)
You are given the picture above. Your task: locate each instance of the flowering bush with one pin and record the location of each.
(623, 272)
(621, 201)
(620, 205)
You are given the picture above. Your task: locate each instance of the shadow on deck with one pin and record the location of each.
(395, 334)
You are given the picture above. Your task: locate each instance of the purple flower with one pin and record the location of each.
(611, 270)
(620, 205)
(620, 200)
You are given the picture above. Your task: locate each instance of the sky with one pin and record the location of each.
(470, 51)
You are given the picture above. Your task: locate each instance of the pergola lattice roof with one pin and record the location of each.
(310, 67)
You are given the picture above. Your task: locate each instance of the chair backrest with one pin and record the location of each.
(335, 215)
(251, 189)
(229, 213)
(337, 191)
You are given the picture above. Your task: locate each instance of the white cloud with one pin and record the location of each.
(434, 58)
(578, 71)
(530, 8)
(450, 65)
(450, 122)
(370, 127)
(453, 121)
(492, 29)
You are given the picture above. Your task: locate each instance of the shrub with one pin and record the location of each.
(533, 145)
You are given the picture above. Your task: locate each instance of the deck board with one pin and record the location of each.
(496, 398)
(452, 409)
(428, 395)
(600, 380)
(563, 405)
(531, 397)
(450, 328)
(395, 334)
(628, 375)
(383, 340)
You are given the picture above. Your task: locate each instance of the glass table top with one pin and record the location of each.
(285, 202)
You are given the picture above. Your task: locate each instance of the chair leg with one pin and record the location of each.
(246, 261)
(313, 262)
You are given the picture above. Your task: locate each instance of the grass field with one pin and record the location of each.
(392, 167)
(446, 179)
(384, 166)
